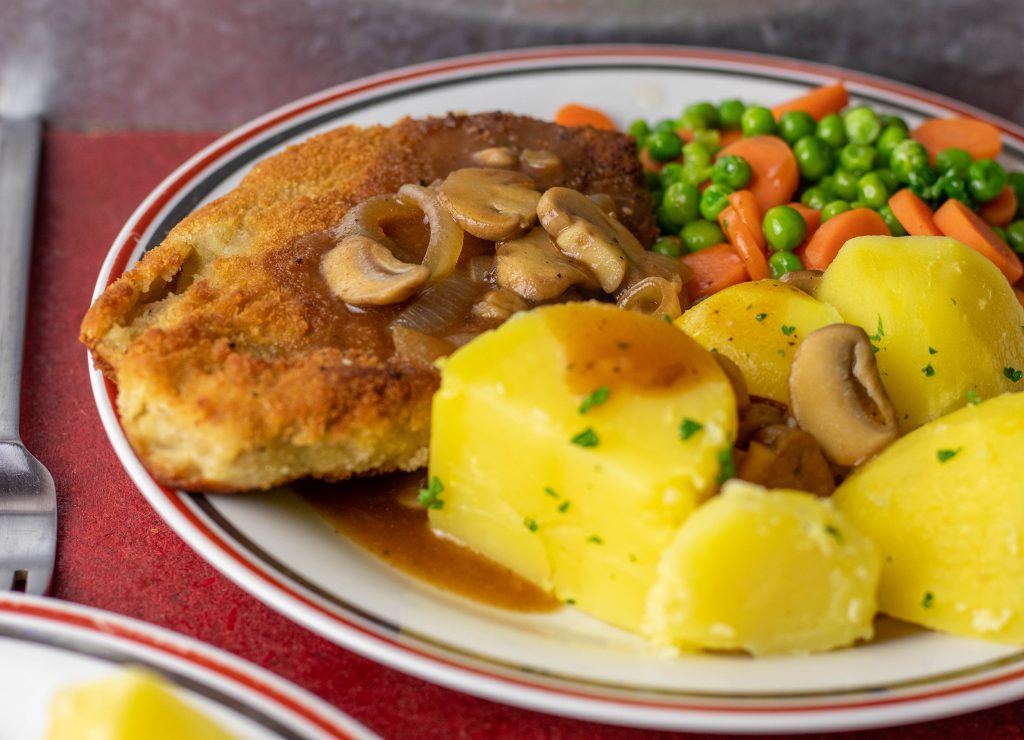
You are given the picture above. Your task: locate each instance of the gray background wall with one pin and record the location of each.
(161, 64)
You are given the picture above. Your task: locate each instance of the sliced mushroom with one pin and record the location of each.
(499, 304)
(739, 383)
(502, 157)
(368, 217)
(782, 457)
(653, 296)
(805, 280)
(490, 203)
(364, 272)
(541, 161)
(837, 395)
(534, 268)
(587, 234)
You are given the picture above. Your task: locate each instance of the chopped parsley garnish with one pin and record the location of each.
(596, 398)
(429, 496)
(1013, 374)
(564, 506)
(726, 466)
(928, 370)
(595, 540)
(586, 438)
(972, 397)
(788, 330)
(928, 600)
(781, 353)
(834, 532)
(944, 455)
(688, 428)
(761, 317)
(530, 524)
(550, 491)
(570, 601)
(932, 351)
(666, 318)
(877, 337)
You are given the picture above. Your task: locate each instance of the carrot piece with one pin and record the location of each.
(775, 172)
(819, 102)
(649, 164)
(749, 212)
(834, 233)
(812, 217)
(979, 139)
(1000, 210)
(740, 236)
(579, 115)
(713, 269)
(913, 214)
(958, 221)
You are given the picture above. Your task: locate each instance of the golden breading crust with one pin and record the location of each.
(231, 373)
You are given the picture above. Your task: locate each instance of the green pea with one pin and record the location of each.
(923, 182)
(855, 204)
(985, 178)
(639, 131)
(713, 201)
(757, 120)
(732, 172)
(888, 139)
(679, 206)
(695, 174)
(888, 121)
(701, 234)
(891, 183)
(670, 173)
(816, 198)
(834, 208)
(700, 116)
(1015, 236)
(670, 246)
(795, 125)
(872, 191)
(952, 186)
(857, 158)
(730, 112)
(907, 156)
(895, 227)
(844, 184)
(831, 131)
(1016, 181)
(862, 125)
(782, 262)
(814, 157)
(953, 160)
(667, 124)
(696, 153)
(784, 227)
(664, 146)
(711, 138)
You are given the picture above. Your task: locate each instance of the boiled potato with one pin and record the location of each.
(758, 326)
(571, 442)
(944, 319)
(131, 705)
(946, 506)
(766, 571)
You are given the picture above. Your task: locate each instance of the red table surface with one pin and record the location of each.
(114, 551)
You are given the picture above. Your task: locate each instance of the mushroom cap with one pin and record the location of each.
(533, 267)
(490, 203)
(364, 272)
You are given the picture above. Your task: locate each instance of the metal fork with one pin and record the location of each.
(28, 500)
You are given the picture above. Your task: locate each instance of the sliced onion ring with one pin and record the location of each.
(445, 244)
(654, 296)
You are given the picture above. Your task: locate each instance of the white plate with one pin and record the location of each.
(47, 644)
(565, 663)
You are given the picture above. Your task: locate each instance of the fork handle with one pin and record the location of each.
(19, 161)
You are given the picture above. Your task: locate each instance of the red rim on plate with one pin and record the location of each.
(942, 696)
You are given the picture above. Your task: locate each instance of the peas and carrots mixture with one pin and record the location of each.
(745, 192)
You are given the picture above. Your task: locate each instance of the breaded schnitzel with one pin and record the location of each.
(238, 368)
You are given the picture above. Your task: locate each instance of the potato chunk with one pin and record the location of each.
(766, 571)
(943, 318)
(759, 327)
(571, 442)
(130, 705)
(946, 506)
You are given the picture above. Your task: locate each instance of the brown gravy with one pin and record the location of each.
(380, 514)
